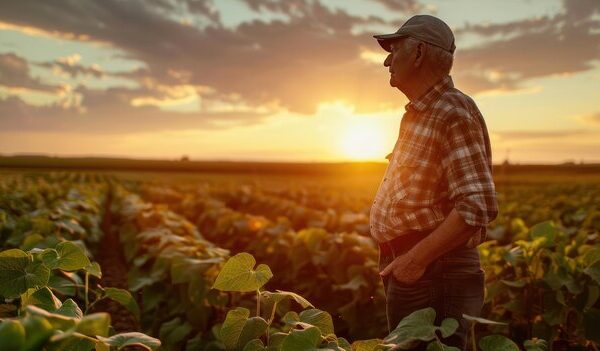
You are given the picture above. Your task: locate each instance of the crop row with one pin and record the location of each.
(48, 282)
(337, 271)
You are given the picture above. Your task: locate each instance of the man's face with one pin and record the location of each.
(399, 64)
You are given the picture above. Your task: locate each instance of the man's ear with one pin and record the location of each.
(420, 52)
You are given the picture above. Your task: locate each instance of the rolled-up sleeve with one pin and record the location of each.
(467, 166)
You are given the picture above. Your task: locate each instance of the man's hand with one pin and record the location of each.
(405, 269)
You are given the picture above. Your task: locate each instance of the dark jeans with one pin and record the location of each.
(452, 285)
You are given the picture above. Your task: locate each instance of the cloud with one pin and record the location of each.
(15, 73)
(111, 111)
(533, 48)
(592, 118)
(69, 65)
(406, 6)
(311, 57)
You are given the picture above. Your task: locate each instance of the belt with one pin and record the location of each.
(403, 243)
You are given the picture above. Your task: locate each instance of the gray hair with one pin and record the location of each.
(439, 59)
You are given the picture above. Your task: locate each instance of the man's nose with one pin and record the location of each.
(387, 61)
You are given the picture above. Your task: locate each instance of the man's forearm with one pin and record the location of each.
(452, 233)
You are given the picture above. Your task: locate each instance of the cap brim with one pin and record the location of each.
(386, 40)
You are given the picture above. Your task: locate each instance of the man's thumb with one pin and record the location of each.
(386, 270)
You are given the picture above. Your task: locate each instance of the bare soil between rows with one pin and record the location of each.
(114, 273)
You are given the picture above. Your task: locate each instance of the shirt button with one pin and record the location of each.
(384, 179)
(374, 202)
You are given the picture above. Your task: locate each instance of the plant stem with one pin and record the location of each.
(257, 302)
(90, 306)
(271, 320)
(273, 313)
(87, 281)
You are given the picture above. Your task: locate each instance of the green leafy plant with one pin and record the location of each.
(44, 320)
(311, 328)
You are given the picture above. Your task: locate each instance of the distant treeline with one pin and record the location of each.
(100, 163)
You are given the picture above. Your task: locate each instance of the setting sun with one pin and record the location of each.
(363, 141)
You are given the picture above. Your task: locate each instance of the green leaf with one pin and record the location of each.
(71, 226)
(73, 343)
(593, 293)
(176, 334)
(414, 327)
(291, 318)
(344, 344)
(94, 324)
(138, 282)
(276, 339)
(544, 230)
(38, 330)
(238, 274)
(238, 329)
(12, 335)
(514, 284)
(591, 256)
(131, 339)
(435, 346)
(70, 309)
(438, 346)
(319, 319)
(482, 320)
(253, 329)
(354, 284)
(254, 345)
(302, 340)
(593, 271)
(195, 344)
(124, 298)
(31, 241)
(448, 327)
(497, 343)
(281, 295)
(66, 256)
(56, 321)
(366, 345)
(94, 269)
(233, 326)
(18, 273)
(183, 269)
(171, 332)
(50, 258)
(536, 344)
(62, 285)
(42, 298)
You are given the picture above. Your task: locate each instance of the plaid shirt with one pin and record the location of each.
(442, 160)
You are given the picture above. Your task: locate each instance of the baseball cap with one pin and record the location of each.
(426, 28)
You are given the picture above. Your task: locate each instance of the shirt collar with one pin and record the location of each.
(431, 95)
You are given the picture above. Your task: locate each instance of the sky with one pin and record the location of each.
(295, 80)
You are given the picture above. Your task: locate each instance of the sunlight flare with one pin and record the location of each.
(363, 141)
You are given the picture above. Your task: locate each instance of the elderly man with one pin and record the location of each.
(437, 195)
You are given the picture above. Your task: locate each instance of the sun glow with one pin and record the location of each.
(363, 141)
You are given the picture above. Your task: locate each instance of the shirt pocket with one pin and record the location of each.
(400, 178)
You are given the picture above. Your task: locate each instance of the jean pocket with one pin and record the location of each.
(410, 296)
(464, 283)
(463, 294)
